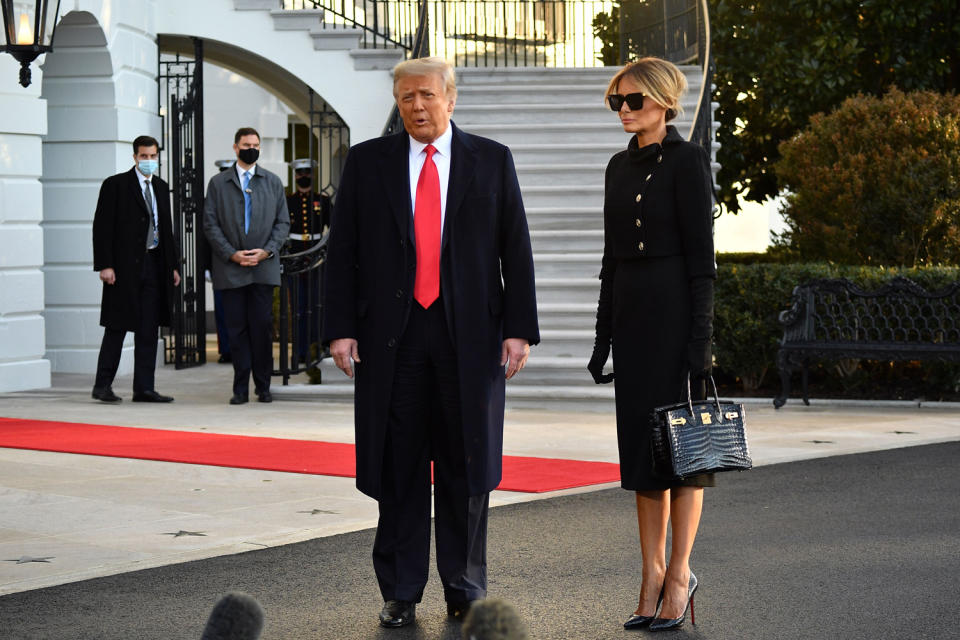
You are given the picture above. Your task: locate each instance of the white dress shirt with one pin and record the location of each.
(240, 172)
(146, 183)
(441, 158)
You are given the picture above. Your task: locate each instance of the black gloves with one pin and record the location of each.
(699, 357)
(601, 351)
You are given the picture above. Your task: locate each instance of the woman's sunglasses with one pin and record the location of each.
(633, 100)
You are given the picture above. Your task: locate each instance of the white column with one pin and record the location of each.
(22, 123)
(96, 108)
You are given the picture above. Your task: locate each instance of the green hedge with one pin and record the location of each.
(750, 297)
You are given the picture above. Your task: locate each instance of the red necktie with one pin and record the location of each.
(426, 226)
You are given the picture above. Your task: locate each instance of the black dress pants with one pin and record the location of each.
(425, 424)
(248, 314)
(145, 337)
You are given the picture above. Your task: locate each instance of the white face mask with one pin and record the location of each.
(148, 167)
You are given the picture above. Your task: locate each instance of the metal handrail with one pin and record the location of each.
(474, 32)
(703, 42)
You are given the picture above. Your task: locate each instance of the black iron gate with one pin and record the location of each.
(325, 142)
(181, 109)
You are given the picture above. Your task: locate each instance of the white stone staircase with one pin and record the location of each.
(325, 36)
(562, 135)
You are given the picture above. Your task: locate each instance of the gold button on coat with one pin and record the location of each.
(639, 224)
(639, 197)
(640, 246)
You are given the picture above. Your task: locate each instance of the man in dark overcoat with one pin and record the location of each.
(134, 252)
(429, 294)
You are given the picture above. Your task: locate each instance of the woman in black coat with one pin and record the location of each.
(655, 310)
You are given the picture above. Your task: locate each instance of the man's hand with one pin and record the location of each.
(514, 354)
(249, 257)
(108, 276)
(343, 351)
(176, 278)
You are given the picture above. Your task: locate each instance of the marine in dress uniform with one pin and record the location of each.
(309, 220)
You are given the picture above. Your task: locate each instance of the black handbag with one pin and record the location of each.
(690, 438)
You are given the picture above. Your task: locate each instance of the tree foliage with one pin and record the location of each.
(606, 27)
(778, 62)
(877, 181)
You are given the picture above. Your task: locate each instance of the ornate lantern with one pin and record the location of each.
(28, 27)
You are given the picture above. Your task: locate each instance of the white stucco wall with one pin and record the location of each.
(232, 101)
(23, 122)
(90, 98)
(362, 98)
(101, 91)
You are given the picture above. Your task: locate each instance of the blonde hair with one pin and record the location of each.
(427, 67)
(658, 79)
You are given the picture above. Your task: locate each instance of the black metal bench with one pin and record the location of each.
(833, 319)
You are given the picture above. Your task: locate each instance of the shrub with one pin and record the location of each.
(750, 297)
(875, 182)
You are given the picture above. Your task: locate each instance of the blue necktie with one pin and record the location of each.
(246, 201)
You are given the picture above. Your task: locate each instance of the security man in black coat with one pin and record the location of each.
(134, 252)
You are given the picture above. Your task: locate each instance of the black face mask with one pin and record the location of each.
(248, 156)
(304, 181)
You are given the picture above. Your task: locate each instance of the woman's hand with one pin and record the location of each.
(601, 351)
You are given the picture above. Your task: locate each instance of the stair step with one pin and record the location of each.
(580, 289)
(531, 175)
(567, 265)
(506, 94)
(558, 195)
(376, 59)
(526, 76)
(583, 152)
(541, 369)
(565, 315)
(296, 19)
(326, 39)
(569, 243)
(510, 134)
(563, 218)
(536, 113)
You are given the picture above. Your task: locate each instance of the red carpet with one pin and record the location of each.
(529, 475)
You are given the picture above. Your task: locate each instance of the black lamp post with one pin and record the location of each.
(28, 26)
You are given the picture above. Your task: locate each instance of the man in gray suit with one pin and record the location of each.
(246, 221)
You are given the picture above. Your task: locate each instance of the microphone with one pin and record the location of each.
(236, 617)
(493, 619)
(248, 190)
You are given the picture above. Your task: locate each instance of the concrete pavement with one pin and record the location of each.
(90, 516)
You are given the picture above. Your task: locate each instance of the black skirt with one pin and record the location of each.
(651, 326)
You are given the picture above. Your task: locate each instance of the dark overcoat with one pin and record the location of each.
(486, 281)
(120, 243)
(223, 227)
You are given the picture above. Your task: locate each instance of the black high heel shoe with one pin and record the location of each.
(665, 624)
(638, 622)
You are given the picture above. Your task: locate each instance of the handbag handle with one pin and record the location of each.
(716, 396)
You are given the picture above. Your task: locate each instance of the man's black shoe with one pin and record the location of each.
(239, 398)
(264, 396)
(105, 395)
(150, 396)
(224, 358)
(397, 613)
(459, 609)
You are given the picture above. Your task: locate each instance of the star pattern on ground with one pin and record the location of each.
(181, 533)
(26, 559)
